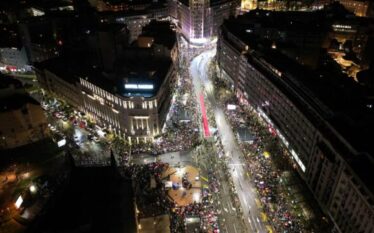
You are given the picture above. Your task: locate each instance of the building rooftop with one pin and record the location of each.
(342, 103)
(132, 78)
(15, 102)
(161, 32)
(9, 37)
(337, 100)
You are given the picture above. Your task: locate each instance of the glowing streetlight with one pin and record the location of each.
(32, 189)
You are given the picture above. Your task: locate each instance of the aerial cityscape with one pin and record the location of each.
(186, 116)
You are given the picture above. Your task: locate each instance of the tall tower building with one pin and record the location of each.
(200, 19)
(195, 20)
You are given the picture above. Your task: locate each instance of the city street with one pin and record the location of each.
(244, 186)
(237, 202)
(187, 116)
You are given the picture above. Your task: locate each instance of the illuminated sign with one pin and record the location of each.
(198, 40)
(139, 86)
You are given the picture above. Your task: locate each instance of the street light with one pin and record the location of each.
(33, 189)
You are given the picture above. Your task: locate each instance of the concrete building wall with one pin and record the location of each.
(358, 7)
(136, 117)
(199, 20)
(350, 206)
(340, 193)
(13, 57)
(62, 89)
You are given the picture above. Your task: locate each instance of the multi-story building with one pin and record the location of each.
(108, 42)
(134, 100)
(299, 35)
(319, 117)
(44, 36)
(13, 57)
(135, 20)
(200, 19)
(123, 6)
(276, 5)
(23, 119)
(12, 53)
(361, 8)
(358, 7)
(132, 105)
(159, 37)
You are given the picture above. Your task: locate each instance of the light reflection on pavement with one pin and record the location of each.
(244, 186)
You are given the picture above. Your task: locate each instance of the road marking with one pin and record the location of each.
(236, 164)
(234, 227)
(253, 226)
(224, 189)
(230, 206)
(245, 201)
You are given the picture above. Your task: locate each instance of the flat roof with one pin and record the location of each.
(15, 101)
(161, 32)
(340, 101)
(149, 72)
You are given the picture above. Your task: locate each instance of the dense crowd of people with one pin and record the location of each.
(153, 200)
(276, 204)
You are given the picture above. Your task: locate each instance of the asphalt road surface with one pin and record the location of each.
(243, 184)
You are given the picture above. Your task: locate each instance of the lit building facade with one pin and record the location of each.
(247, 5)
(274, 5)
(358, 7)
(199, 19)
(330, 164)
(133, 101)
(131, 107)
